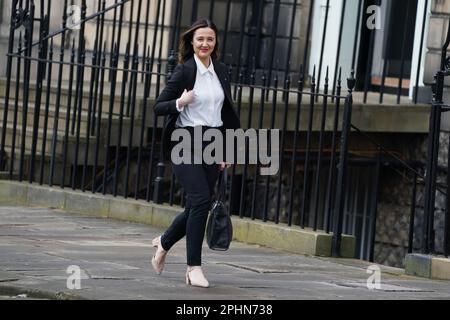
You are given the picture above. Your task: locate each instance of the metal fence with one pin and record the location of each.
(103, 139)
(429, 180)
(79, 115)
(275, 36)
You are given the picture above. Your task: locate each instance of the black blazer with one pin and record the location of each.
(183, 77)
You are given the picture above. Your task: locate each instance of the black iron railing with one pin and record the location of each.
(257, 35)
(431, 185)
(97, 131)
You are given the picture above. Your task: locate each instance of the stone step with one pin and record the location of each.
(48, 145)
(4, 175)
(50, 119)
(83, 125)
(57, 171)
(62, 117)
(72, 141)
(64, 97)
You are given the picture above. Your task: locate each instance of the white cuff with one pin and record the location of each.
(178, 107)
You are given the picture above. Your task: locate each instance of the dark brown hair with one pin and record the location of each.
(186, 51)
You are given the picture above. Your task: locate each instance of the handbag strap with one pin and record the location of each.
(222, 186)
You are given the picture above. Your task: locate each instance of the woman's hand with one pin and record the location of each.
(186, 98)
(224, 165)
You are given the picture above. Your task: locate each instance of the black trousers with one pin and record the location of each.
(198, 181)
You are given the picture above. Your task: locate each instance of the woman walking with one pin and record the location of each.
(198, 94)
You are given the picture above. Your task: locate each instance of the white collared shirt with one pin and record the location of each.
(209, 97)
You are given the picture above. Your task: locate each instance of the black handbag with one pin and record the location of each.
(219, 229)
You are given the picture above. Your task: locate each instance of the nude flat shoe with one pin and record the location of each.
(156, 241)
(158, 263)
(195, 277)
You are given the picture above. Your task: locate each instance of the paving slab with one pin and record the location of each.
(38, 245)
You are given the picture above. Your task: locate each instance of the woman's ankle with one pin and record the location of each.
(190, 268)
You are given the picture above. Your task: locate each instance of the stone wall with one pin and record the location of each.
(393, 220)
(299, 41)
(394, 211)
(90, 32)
(437, 33)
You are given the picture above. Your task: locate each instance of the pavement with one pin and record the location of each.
(38, 246)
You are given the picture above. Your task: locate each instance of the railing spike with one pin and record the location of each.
(351, 82)
(313, 79)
